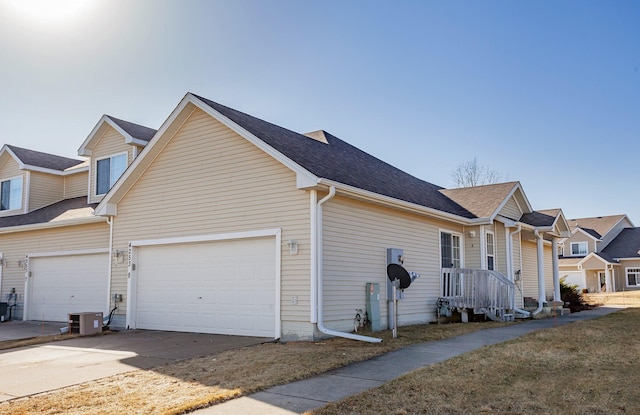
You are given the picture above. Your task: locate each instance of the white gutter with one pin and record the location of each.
(50, 225)
(397, 203)
(318, 277)
(540, 252)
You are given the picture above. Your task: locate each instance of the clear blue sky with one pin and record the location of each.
(545, 92)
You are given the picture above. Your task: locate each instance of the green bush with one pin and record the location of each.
(572, 297)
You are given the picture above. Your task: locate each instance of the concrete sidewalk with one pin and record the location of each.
(304, 395)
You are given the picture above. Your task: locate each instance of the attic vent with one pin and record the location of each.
(318, 136)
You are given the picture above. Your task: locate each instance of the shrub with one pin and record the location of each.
(572, 297)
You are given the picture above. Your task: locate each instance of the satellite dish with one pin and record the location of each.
(397, 272)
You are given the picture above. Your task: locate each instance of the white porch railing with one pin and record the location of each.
(484, 291)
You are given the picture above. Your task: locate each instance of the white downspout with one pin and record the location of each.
(540, 251)
(110, 222)
(319, 278)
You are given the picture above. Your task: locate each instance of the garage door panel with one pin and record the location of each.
(225, 287)
(60, 285)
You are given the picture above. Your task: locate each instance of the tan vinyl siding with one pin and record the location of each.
(15, 246)
(594, 262)
(621, 275)
(511, 210)
(76, 185)
(517, 266)
(209, 180)
(500, 242)
(576, 238)
(529, 270)
(472, 247)
(110, 144)
(44, 189)
(356, 236)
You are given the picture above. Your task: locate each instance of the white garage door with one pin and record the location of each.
(59, 285)
(223, 287)
(574, 278)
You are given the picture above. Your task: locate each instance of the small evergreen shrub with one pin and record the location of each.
(572, 297)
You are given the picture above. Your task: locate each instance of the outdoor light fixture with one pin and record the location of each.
(293, 246)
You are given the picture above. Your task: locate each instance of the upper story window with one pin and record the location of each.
(108, 171)
(450, 250)
(11, 194)
(489, 242)
(578, 248)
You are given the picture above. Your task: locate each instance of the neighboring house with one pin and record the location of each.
(225, 223)
(601, 254)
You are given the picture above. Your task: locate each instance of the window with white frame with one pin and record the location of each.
(490, 249)
(108, 171)
(633, 277)
(11, 194)
(578, 248)
(450, 250)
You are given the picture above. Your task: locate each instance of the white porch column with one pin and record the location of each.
(541, 290)
(556, 270)
(608, 279)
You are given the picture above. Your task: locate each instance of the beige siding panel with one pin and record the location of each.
(511, 210)
(594, 263)
(500, 242)
(44, 189)
(517, 266)
(472, 247)
(529, 270)
(356, 236)
(111, 143)
(16, 245)
(9, 169)
(548, 272)
(579, 237)
(209, 180)
(76, 185)
(621, 275)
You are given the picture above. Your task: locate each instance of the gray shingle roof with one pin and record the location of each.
(344, 163)
(134, 130)
(625, 245)
(538, 219)
(591, 232)
(67, 209)
(44, 160)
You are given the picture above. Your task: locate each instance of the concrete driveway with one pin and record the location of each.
(36, 369)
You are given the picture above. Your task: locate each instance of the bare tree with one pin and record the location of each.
(471, 174)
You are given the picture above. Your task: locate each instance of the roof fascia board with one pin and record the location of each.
(591, 255)
(400, 204)
(295, 167)
(627, 259)
(52, 171)
(108, 208)
(504, 201)
(586, 233)
(51, 225)
(84, 151)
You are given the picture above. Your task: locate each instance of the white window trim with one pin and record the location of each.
(626, 276)
(586, 251)
(453, 233)
(94, 183)
(22, 201)
(486, 250)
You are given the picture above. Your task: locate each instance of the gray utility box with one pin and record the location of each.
(85, 323)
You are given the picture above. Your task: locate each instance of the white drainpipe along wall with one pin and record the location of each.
(318, 278)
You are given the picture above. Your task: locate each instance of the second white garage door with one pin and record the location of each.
(59, 285)
(223, 287)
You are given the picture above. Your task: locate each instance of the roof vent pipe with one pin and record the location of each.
(319, 278)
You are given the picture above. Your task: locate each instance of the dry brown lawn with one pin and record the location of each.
(195, 383)
(589, 367)
(622, 298)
